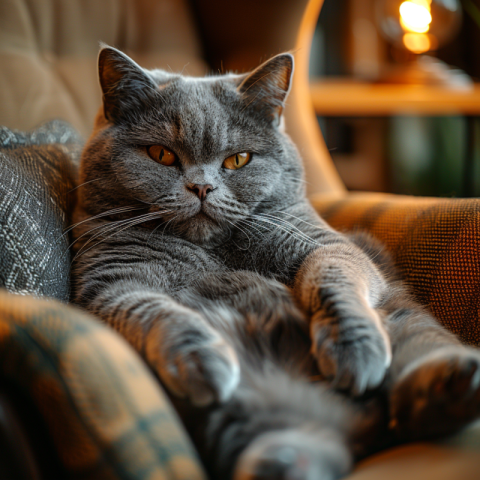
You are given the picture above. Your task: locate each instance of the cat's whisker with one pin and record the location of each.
(136, 221)
(287, 227)
(87, 233)
(105, 228)
(113, 211)
(166, 225)
(84, 183)
(283, 228)
(251, 224)
(232, 214)
(300, 180)
(290, 225)
(184, 67)
(158, 226)
(244, 232)
(299, 219)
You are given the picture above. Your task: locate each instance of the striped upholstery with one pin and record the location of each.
(105, 412)
(435, 242)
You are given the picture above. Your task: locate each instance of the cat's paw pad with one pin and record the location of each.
(293, 455)
(438, 394)
(354, 356)
(199, 366)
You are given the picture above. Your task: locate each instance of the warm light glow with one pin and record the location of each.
(417, 42)
(415, 16)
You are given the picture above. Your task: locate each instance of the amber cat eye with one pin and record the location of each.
(161, 154)
(237, 161)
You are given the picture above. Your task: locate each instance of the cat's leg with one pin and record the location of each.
(192, 358)
(434, 380)
(285, 427)
(278, 427)
(339, 287)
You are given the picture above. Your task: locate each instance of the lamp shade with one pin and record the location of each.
(418, 25)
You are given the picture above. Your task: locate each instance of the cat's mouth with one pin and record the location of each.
(206, 212)
(203, 229)
(202, 215)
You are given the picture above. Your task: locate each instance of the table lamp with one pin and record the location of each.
(418, 27)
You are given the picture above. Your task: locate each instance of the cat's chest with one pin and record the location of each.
(183, 262)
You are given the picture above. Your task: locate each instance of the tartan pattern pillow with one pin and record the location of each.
(37, 170)
(106, 414)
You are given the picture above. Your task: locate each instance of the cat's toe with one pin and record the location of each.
(293, 455)
(438, 394)
(197, 365)
(209, 374)
(354, 362)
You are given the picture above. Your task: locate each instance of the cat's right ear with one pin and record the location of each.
(266, 88)
(125, 85)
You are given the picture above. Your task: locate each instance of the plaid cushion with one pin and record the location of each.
(105, 412)
(435, 242)
(37, 170)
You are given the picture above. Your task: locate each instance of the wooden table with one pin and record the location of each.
(348, 98)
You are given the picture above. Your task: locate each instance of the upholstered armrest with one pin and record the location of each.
(435, 242)
(101, 409)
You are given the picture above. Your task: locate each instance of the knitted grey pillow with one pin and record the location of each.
(37, 170)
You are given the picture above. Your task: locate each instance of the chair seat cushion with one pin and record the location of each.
(37, 170)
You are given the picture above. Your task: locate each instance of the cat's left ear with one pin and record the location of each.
(266, 88)
(125, 85)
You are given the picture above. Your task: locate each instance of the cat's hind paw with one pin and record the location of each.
(294, 455)
(438, 394)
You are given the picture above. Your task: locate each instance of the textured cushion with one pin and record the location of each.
(37, 170)
(105, 412)
(435, 242)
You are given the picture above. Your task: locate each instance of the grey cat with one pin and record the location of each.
(194, 239)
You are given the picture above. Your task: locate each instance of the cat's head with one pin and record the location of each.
(206, 153)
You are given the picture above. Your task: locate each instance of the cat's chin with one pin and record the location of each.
(203, 230)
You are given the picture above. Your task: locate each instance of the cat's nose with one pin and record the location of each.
(200, 190)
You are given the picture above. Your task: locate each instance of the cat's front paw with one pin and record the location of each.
(195, 363)
(354, 353)
(438, 394)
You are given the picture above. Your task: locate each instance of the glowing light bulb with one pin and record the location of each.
(417, 42)
(415, 16)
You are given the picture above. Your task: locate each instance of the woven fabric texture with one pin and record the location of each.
(105, 412)
(435, 242)
(37, 170)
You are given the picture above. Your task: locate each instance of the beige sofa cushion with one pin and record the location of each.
(48, 52)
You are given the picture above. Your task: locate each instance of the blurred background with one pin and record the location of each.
(393, 82)
(389, 127)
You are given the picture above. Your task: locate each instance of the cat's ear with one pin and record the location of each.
(267, 87)
(125, 85)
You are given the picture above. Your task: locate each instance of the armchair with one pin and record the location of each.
(100, 413)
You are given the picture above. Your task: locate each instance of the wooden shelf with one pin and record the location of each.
(343, 97)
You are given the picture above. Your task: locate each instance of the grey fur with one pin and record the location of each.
(227, 298)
